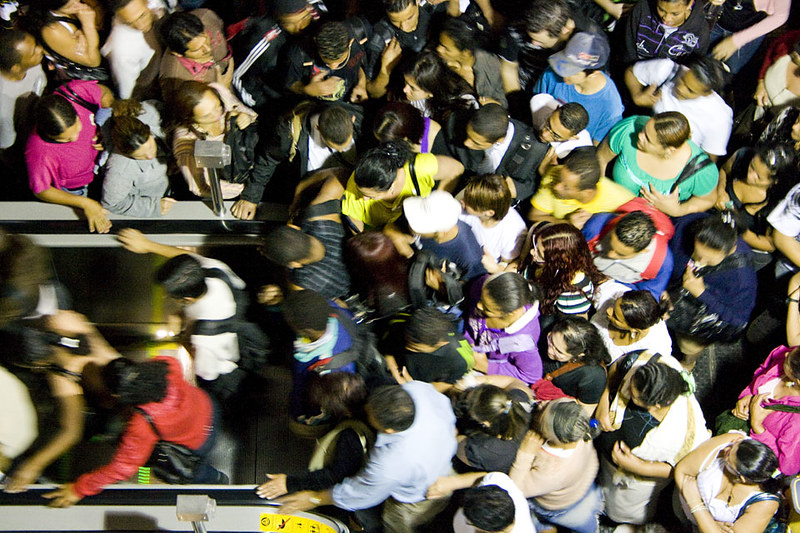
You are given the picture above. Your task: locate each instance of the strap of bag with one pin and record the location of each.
(695, 165)
(413, 172)
(149, 419)
(550, 376)
(331, 207)
(67, 92)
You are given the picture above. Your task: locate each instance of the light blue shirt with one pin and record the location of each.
(403, 465)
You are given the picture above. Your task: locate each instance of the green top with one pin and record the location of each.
(622, 139)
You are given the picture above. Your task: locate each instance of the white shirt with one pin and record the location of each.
(786, 215)
(542, 106)
(522, 513)
(128, 53)
(493, 155)
(710, 118)
(503, 241)
(18, 93)
(318, 152)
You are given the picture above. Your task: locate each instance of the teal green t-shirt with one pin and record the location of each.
(622, 140)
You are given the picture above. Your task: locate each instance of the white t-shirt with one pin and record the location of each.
(318, 152)
(657, 339)
(542, 106)
(493, 155)
(786, 215)
(709, 116)
(16, 98)
(522, 513)
(503, 241)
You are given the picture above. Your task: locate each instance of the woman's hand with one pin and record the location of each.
(64, 496)
(167, 204)
(692, 283)
(669, 204)
(243, 209)
(531, 443)
(96, 215)
(722, 200)
(242, 119)
(742, 409)
(761, 96)
(690, 491)
(481, 362)
(624, 458)
(23, 476)
(299, 501)
(724, 49)
(275, 487)
(758, 413)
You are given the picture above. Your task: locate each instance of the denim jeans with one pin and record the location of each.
(207, 474)
(581, 517)
(739, 58)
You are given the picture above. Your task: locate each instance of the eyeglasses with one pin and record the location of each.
(547, 127)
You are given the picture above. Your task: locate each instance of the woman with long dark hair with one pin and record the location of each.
(433, 88)
(560, 262)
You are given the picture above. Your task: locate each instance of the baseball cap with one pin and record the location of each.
(583, 52)
(436, 212)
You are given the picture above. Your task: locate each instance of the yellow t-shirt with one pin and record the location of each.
(377, 213)
(610, 195)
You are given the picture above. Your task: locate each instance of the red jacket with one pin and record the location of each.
(184, 416)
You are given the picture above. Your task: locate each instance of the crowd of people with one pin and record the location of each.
(517, 230)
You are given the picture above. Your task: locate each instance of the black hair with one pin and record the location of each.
(490, 122)
(136, 383)
(116, 5)
(450, 91)
(461, 33)
(565, 420)
(582, 337)
(335, 124)
(398, 121)
(395, 6)
(583, 162)
(428, 326)
(573, 116)
(712, 73)
(718, 231)
(779, 129)
(547, 15)
(339, 394)
(392, 407)
(333, 40)
(128, 134)
(635, 230)
(182, 277)
(781, 160)
(510, 291)
(179, 28)
(658, 384)
(9, 55)
(284, 245)
(641, 310)
(794, 361)
(756, 463)
(495, 411)
(489, 508)
(54, 114)
(306, 310)
(377, 168)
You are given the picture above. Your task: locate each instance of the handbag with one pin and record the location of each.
(174, 463)
(545, 389)
(693, 317)
(243, 142)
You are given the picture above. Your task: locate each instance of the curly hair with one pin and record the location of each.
(566, 254)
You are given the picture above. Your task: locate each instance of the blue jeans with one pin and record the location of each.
(581, 517)
(741, 56)
(207, 474)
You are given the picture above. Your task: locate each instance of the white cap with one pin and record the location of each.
(436, 212)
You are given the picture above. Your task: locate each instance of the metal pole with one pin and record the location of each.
(217, 205)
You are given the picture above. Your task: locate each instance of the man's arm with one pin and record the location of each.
(135, 241)
(389, 58)
(535, 215)
(642, 95)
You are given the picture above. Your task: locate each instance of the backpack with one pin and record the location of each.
(254, 345)
(664, 232)
(423, 296)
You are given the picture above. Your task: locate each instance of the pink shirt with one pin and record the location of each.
(777, 14)
(65, 165)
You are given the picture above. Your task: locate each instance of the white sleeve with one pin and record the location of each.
(715, 139)
(786, 215)
(653, 71)
(127, 58)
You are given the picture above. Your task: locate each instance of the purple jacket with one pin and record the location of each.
(782, 430)
(511, 351)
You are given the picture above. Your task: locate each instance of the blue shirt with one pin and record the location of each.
(463, 250)
(403, 465)
(604, 107)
